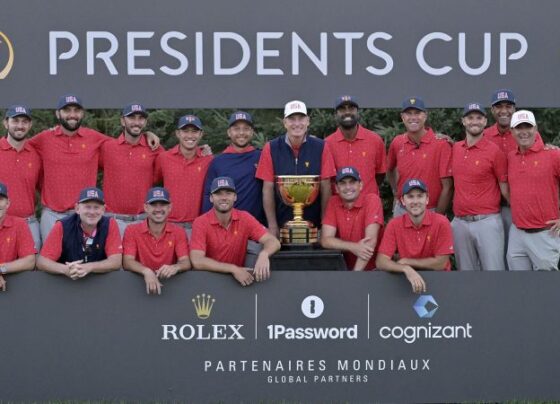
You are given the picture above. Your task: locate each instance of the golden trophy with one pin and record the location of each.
(298, 191)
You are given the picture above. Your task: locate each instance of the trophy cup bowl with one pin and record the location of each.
(298, 191)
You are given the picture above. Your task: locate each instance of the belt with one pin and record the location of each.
(127, 218)
(184, 225)
(535, 230)
(66, 212)
(473, 218)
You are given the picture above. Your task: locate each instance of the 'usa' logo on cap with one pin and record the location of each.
(92, 194)
(21, 110)
(158, 193)
(136, 107)
(240, 116)
(347, 170)
(71, 99)
(223, 183)
(503, 95)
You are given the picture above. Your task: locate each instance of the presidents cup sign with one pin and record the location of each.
(199, 48)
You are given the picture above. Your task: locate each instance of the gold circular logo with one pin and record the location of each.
(4, 40)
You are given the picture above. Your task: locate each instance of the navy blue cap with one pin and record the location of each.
(346, 99)
(91, 194)
(240, 116)
(69, 99)
(222, 183)
(132, 109)
(157, 194)
(348, 171)
(3, 190)
(189, 120)
(414, 184)
(473, 107)
(503, 95)
(18, 110)
(413, 102)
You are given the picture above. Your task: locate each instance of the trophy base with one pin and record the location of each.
(298, 233)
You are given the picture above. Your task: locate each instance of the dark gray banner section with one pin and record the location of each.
(302, 336)
(260, 54)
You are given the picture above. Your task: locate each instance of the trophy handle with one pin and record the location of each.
(285, 195)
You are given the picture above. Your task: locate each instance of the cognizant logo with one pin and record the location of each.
(425, 307)
(6, 55)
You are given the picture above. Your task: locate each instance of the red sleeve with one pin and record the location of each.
(181, 243)
(381, 158)
(158, 175)
(52, 247)
(388, 244)
(445, 159)
(392, 155)
(265, 169)
(256, 229)
(328, 169)
(113, 245)
(374, 210)
(500, 166)
(130, 246)
(37, 140)
(198, 236)
(330, 212)
(25, 243)
(444, 243)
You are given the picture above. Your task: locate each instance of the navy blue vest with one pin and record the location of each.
(308, 162)
(73, 247)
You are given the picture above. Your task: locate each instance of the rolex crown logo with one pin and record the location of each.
(203, 305)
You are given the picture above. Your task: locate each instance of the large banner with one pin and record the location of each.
(260, 54)
(301, 336)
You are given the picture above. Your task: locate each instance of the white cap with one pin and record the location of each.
(295, 107)
(523, 116)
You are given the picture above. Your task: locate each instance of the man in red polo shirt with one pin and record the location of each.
(183, 170)
(17, 252)
(352, 221)
(83, 242)
(154, 248)
(533, 175)
(128, 164)
(70, 155)
(480, 179)
(419, 154)
(219, 238)
(354, 145)
(423, 239)
(20, 167)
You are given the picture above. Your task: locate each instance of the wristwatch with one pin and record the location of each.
(3, 269)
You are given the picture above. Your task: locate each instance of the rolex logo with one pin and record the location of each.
(203, 305)
(6, 55)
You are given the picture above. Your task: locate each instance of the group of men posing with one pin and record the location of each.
(165, 230)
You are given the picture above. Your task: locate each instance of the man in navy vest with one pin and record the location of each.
(83, 242)
(294, 153)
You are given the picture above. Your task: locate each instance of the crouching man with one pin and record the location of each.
(422, 238)
(219, 237)
(83, 242)
(155, 248)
